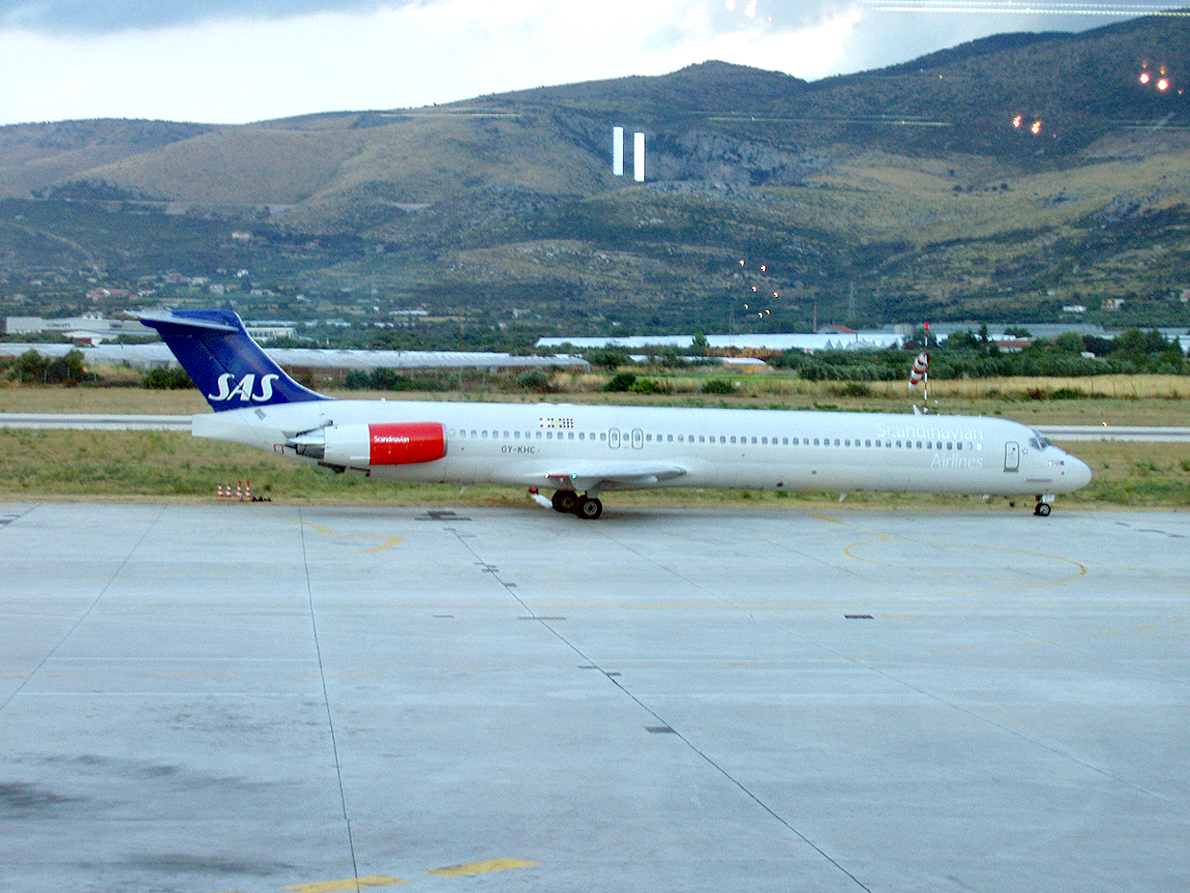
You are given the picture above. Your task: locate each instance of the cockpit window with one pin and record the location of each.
(1038, 442)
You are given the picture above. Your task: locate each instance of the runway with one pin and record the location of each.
(259, 698)
(94, 421)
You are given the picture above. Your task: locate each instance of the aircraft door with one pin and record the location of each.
(613, 438)
(1012, 456)
(638, 438)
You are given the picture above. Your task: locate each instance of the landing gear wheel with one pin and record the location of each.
(1042, 510)
(565, 501)
(589, 507)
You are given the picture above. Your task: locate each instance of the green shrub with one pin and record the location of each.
(718, 386)
(534, 380)
(851, 389)
(167, 378)
(651, 386)
(621, 381)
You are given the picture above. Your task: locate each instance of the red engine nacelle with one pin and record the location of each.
(365, 446)
(406, 443)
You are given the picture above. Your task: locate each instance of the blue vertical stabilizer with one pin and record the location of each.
(223, 361)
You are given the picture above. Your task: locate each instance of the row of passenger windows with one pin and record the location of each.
(627, 439)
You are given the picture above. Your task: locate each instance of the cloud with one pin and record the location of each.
(213, 62)
(107, 16)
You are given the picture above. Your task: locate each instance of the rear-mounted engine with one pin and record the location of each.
(366, 446)
(406, 443)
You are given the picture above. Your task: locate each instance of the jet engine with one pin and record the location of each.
(365, 446)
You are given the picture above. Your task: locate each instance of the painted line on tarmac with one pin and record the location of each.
(465, 869)
(472, 868)
(378, 880)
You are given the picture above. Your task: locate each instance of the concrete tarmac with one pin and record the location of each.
(259, 697)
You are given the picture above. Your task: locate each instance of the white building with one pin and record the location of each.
(81, 329)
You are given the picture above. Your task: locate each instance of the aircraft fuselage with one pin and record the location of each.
(534, 445)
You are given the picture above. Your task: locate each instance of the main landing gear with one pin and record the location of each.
(1043, 507)
(571, 503)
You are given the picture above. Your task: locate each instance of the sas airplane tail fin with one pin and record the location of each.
(219, 355)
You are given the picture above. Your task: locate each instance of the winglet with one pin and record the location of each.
(219, 355)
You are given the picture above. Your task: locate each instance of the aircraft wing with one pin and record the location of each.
(585, 475)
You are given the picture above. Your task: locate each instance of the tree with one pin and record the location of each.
(69, 370)
(1070, 342)
(30, 366)
(608, 358)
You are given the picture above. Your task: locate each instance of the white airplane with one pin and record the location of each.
(581, 451)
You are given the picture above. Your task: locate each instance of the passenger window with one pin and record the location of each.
(669, 438)
(815, 441)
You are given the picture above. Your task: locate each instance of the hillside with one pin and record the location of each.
(884, 196)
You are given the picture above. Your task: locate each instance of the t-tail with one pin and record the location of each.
(223, 361)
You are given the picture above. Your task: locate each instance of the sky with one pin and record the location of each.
(236, 61)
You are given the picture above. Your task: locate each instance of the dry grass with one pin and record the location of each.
(124, 401)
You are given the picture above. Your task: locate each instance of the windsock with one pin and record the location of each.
(920, 366)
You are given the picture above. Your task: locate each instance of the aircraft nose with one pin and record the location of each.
(1078, 472)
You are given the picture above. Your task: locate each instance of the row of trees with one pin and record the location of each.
(32, 367)
(967, 355)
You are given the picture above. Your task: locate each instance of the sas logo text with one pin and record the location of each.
(243, 389)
